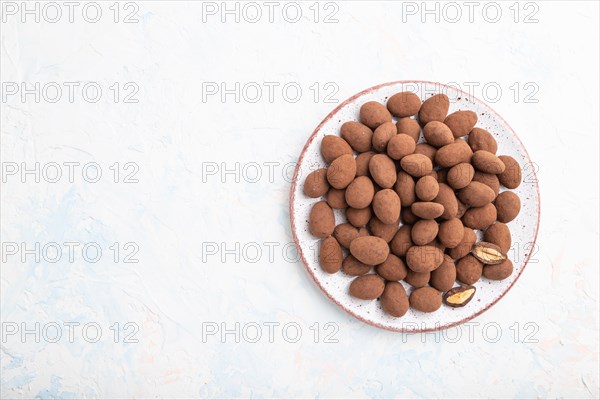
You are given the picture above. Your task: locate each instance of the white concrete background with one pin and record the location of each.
(546, 327)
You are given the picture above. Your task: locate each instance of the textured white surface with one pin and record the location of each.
(177, 291)
(523, 228)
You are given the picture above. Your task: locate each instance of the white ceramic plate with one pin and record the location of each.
(524, 228)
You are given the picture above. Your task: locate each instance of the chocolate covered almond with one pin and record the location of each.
(367, 287)
(426, 299)
(369, 249)
(434, 108)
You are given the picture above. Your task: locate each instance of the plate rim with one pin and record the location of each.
(293, 222)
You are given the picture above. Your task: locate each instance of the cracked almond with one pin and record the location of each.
(488, 253)
(459, 296)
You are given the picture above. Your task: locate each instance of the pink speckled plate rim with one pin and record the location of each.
(293, 222)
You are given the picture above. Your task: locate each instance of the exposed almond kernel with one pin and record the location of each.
(488, 253)
(459, 296)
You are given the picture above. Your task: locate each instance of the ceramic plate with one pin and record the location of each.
(524, 228)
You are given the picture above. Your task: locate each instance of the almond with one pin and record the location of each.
(333, 147)
(461, 122)
(394, 299)
(373, 114)
(437, 134)
(367, 287)
(410, 127)
(488, 253)
(341, 171)
(401, 145)
(459, 296)
(351, 266)
(416, 165)
(404, 104)
(499, 271)
(480, 217)
(453, 154)
(424, 231)
(357, 135)
(427, 209)
(383, 170)
(362, 163)
(443, 277)
(508, 206)
(487, 162)
(345, 234)
(427, 188)
(386, 206)
(434, 108)
(405, 187)
(460, 175)
(480, 139)
(321, 221)
(469, 269)
(316, 184)
(476, 194)
(417, 279)
(424, 258)
(330, 255)
(425, 299)
(370, 250)
(499, 234)
(490, 180)
(392, 269)
(360, 192)
(511, 177)
(383, 230)
(402, 241)
(382, 135)
(358, 217)
(451, 233)
(447, 199)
